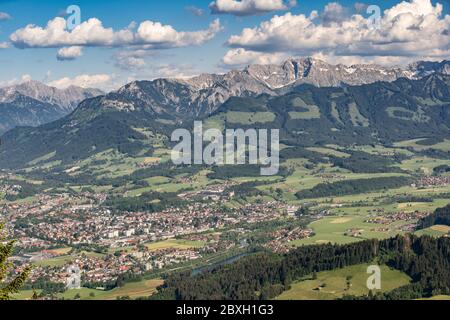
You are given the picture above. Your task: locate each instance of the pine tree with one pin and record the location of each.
(14, 285)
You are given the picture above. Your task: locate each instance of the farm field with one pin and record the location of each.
(331, 285)
(132, 290)
(248, 118)
(175, 244)
(63, 259)
(442, 298)
(443, 146)
(345, 217)
(435, 231)
(333, 229)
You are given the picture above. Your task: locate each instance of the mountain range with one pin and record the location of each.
(127, 120)
(313, 103)
(202, 95)
(33, 103)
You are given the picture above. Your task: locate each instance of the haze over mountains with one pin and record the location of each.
(33, 103)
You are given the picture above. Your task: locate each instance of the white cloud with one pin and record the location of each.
(4, 16)
(249, 7)
(92, 33)
(12, 82)
(4, 45)
(84, 81)
(237, 58)
(334, 13)
(409, 29)
(25, 78)
(195, 11)
(174, 71)
(69, 53)
(378, 60)
(131, 60)
(155, 35)
(47, 76)
(164, 70)
(55, 34)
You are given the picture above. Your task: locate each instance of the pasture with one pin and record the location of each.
(174, 244)
(334, 284)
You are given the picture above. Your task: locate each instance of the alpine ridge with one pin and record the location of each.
(202, 95)
(33, 103)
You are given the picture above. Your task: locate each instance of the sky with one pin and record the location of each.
(115, 42)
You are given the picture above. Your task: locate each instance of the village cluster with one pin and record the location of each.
(104, 244)
(59, 231)
(388, 220)
(432, 181)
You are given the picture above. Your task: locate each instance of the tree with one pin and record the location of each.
(14, 285)
(302, 211)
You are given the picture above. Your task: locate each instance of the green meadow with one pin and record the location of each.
(334, 284)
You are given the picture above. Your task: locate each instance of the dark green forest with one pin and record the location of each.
(342, 188)
(440, 216)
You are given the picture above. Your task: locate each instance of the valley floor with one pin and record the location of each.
(197, 217)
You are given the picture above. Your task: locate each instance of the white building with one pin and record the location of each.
(130, 233)
(73, 280)
(113, 234)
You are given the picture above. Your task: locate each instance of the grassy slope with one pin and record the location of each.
(336, 284)
(134, 290)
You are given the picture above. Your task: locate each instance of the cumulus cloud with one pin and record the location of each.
(182, 71)
(84, 81)
(409, 29)
(4, 45)
(69, 53)
(161, 70)
(12, 82)
(334, 13)
(91, 33)
(353, 60)
(131, 60)
(155, 35)
(237, 58)
(25, 78)
(249, 7)
(4, 16)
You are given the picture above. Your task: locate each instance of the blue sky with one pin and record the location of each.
(126, 61)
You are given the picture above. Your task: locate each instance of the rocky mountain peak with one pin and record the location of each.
(203, 94)
(66, 99)
(422, 69)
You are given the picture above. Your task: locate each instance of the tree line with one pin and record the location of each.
(349, 187)
(440, 216)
